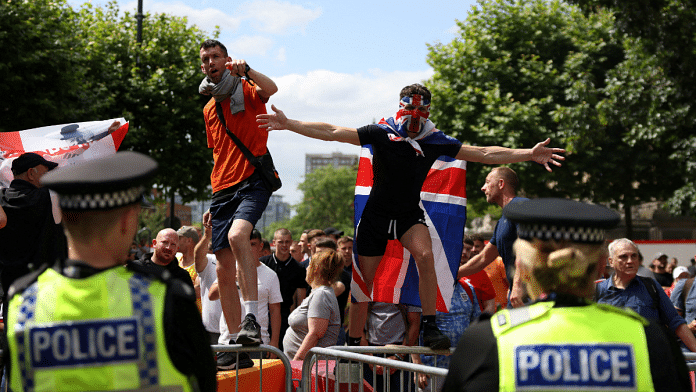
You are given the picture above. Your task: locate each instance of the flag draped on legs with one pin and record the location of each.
(443, 198)
(65, 144)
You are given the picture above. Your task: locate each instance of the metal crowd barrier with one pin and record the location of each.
(690, 358)
(348, 366)
(262, 349)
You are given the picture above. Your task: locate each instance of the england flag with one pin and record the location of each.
(64, 144)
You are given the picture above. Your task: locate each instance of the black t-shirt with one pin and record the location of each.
(31, 235)
(665, 279)
(173, 268)
(291, 277)
(398, 172)
(342, 299)
(474, 364)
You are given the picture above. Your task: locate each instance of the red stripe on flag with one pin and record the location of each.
(450, 181)
(11, 141)
(388, 272)
(440, 304)
(119, 135)
(364, 173)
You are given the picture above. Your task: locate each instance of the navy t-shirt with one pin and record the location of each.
(504, 236)
(398, 172)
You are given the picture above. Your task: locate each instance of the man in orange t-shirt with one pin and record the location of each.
(239, 194)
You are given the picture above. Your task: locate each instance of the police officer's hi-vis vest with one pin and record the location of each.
(100, 333)
(594, 347)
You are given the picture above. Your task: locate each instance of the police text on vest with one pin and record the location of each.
(594, 365)
(84, 343)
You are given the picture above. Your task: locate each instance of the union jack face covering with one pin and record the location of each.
(413, 120)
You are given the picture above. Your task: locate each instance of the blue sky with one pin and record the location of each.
(333, 61)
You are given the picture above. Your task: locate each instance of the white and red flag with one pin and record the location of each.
(443, 198)
(65, 144)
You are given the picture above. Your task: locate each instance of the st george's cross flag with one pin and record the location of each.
(64, 144)
(443, 198)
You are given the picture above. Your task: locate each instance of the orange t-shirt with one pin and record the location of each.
(496, 271)
(231, 166)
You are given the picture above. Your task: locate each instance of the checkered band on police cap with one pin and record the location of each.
(561, 220)
(559, 233)
(101, 201)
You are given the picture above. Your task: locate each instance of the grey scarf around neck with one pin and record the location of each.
(229, 86)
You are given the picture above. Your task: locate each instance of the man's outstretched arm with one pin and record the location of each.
(478, 262)
(316, 130)
(494, 155)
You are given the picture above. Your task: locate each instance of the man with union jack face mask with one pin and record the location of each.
(404, 146)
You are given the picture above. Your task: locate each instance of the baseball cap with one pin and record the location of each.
(678, 271)
(658, 255)
(188, 231)
(333, 231)
(28, 160)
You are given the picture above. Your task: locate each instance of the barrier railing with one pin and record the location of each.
(262, 349)
(690, 357)
(348, 361)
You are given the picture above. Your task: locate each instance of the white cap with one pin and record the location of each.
(678, 271)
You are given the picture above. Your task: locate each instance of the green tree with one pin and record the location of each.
(153, 84)
(40, 64)
(524, 71)
(664, 32)
(60, 65)
(327, 200)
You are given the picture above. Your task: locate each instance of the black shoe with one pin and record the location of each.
(250, 332)
(228, 361)
(433, 338)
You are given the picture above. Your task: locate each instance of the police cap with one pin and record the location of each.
(561, 219)
(104, 183)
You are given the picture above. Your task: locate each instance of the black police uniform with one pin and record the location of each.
(484, 347)
(103, 184)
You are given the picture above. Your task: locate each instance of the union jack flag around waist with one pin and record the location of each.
(443, 199)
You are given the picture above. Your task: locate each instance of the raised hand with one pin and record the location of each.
(544, 155)
(273, 121)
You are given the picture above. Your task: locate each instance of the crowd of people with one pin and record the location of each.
(520, 315)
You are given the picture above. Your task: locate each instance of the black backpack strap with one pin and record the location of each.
(254, 161)
(685, 291)
(650, 285)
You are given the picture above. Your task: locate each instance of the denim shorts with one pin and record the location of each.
(246, 200)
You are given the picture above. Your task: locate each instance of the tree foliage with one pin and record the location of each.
(60, 65)
(663, 30)
(327, 200)
(524, 71)
(155, 85)
(40, 64)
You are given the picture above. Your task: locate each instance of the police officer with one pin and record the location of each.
(564, 341)
(88, 323)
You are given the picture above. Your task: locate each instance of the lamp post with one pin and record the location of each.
(139, 36)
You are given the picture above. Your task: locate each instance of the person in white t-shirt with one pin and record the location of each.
(206, 264)
(269, 299)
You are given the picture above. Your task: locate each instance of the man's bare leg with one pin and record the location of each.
(417, 241)
(241, 248)
(358, 311)
(229, 296)
(238, 236)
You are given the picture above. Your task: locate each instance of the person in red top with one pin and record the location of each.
(485, 292)
(239, 194)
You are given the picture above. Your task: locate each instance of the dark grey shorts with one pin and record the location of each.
(246, 200)
(375, 229)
